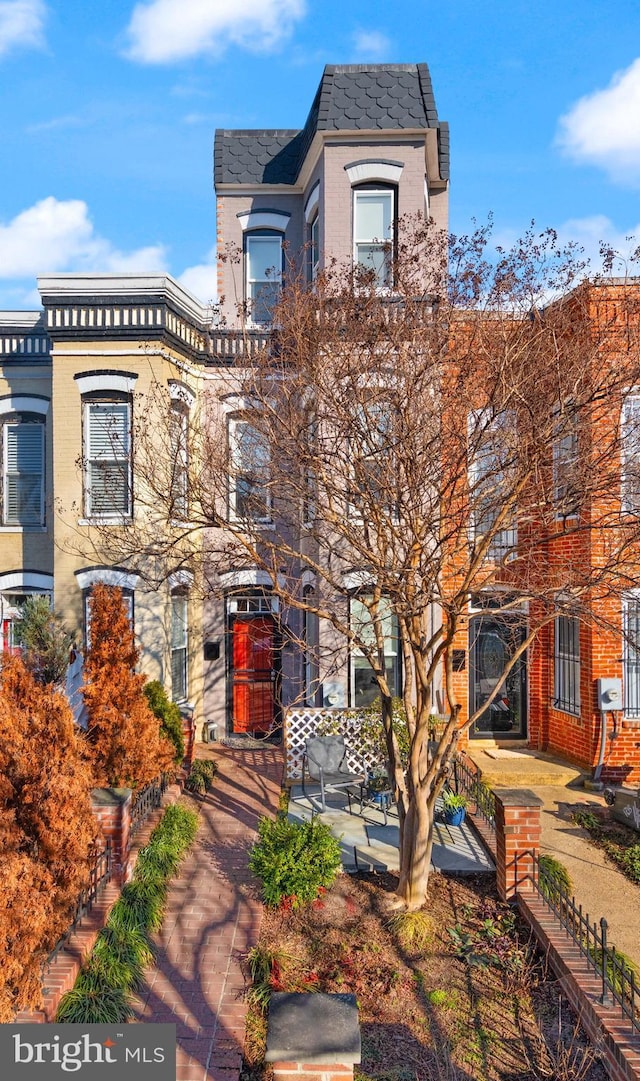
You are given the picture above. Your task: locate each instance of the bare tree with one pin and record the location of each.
(456, 438)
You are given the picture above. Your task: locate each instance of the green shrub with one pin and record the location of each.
(201, 775)
(294, 860)
(168, 714)
(630, 862)
(587, 820)
(553, 875)
(115, 968)
(92, 1002)
(616, 974)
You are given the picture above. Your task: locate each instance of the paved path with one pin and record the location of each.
(213, 919)
(598, 886)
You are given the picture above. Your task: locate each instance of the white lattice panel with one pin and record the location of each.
(301, 724)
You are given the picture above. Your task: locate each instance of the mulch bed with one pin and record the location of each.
(475, 1002)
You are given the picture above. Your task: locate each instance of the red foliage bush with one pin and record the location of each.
(125, 745)
(46, 830)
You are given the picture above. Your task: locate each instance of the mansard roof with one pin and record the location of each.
(351, 97)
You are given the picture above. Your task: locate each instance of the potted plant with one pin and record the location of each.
(454, 806)
(378, 784)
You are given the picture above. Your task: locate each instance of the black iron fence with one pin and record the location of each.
(100, 872)
(466, 781)
(147, 800)
(619, 982)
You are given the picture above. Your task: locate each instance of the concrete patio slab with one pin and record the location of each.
(368, 843)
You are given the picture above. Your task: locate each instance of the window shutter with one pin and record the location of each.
(108, 431)
(24, 446)
(107, 442)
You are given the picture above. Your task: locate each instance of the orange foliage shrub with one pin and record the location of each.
(125, 745)
(46, 830)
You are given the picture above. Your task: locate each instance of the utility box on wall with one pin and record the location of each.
(609, 693)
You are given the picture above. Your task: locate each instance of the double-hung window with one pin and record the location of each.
(249, 472)
(107, 438)
(491, 439)
(631, 455)
(179, 451)
(263, 264)
(179, 645)
(314, 248)
(373, 231)
(23, 471)
(364, 686)
(566, 465)
(375, 489)
(631, 655)
(567, 664)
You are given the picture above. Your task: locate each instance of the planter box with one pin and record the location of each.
(626, 808)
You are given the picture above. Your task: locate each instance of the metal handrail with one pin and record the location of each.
(619, 983)
(145, 801)
(466, 780)
(100, 873)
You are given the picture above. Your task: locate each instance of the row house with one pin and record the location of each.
(74, 379)
(79, 377)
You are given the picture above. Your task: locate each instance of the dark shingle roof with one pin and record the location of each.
(351, 97)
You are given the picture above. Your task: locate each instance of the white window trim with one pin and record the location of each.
(114, 517)
(312, 202)
(368, 172)
(627, 506)
(182, 593)
(383, 189)
(274, 234)
(557, 460)
(6, 419)
(276, 220)
(106, 383)
(249, 577)
(355, 653)
(633, 597)
(265, 521)
(107, 576)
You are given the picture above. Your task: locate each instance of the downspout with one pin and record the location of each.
(603, 745)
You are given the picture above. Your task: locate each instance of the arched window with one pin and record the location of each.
(107, 453)
(263, 262)
(180, 644)
(374, 217)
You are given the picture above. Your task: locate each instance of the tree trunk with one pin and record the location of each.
(415, 851)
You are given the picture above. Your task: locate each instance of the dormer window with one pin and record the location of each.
(263, 261)
(373, 231)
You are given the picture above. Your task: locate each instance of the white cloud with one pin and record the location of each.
(202, 280)
(596, 230)
(164, 31)
(21, 24)
(371, 45)
(55, 235)
(603, 128)
(590, 234)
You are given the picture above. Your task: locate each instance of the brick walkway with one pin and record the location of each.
(213, 918)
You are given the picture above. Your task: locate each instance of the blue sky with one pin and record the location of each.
(109, 112)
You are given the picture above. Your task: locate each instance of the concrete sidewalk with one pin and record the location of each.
(598, 885)
(212, 920)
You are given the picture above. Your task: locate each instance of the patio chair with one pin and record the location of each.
(325, 762)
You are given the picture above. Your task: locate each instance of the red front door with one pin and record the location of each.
(253, 675)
